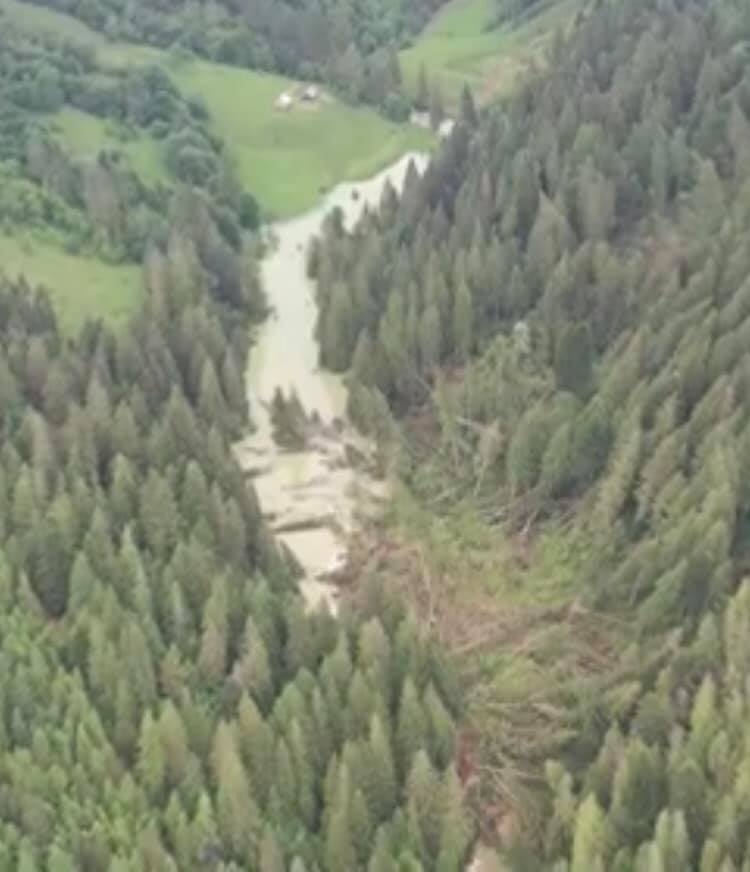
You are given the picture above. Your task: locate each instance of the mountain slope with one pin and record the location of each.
(557, 311)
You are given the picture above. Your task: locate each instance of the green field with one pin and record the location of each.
(85, 135)
(458, 47)
(40, 19)
(80, 287)
(288, 158)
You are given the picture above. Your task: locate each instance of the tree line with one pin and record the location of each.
(100, 203)
(167, 701)
(350, 45)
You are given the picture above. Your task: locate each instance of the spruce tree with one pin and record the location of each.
(573, 359)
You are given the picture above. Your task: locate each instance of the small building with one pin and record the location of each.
(311, 94)
(284, 101)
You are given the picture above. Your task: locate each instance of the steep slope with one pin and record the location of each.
(349, 46)
(563, 301)
(483, 43)
(167, 703)
(90, 160)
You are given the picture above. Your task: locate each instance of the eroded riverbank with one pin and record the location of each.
(312, 498)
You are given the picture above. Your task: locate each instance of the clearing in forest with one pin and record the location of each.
(80, 287)
(85, 135)
(285, 159)
(463, 45)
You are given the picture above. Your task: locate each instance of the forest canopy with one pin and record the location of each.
(100, 203)
(550, 324)
(555, 314)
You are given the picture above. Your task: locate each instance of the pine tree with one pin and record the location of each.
(638, 794)
(379, 782)
(339, 329)
(126, 724)
(456, 832)
(590, 839)
(468, 111)
(441, 727)
(382, 856)
(463, 322)
(361, 827)
(255, 740)
(573, 360)
(412, 725)
(430, 338)
(271, 858)
(151, 759)
(60, 860)
(340, 853)
(158, 514)
(238, 816)
(211, 403)
(436, 107)
(423, 808)
(174, 742)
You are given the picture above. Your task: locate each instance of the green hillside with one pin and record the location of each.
(551, 345)
(464, 45)
(86, 135)
(288, 158)
(540, 657)
(80, 288)
(284, 159)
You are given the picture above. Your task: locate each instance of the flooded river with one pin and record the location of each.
(311, 498)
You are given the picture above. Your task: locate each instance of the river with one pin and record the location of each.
(311, 498)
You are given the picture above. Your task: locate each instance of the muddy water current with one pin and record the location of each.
(313, 499)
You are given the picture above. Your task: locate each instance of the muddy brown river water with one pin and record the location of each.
(311, 498)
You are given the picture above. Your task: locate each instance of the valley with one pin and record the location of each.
(375, 472)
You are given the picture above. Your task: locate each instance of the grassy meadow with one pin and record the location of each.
(40, 19)
(85, 135)
(286, 158)
(459, 46)
(79, 287)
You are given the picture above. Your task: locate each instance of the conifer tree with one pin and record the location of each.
(463, 326)
(271, 858)
(573, 359)
(590, 839)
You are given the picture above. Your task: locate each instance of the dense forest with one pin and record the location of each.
(555, 318)
(550, 324)
(166, 701)
(100, 204)
(350, 46)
